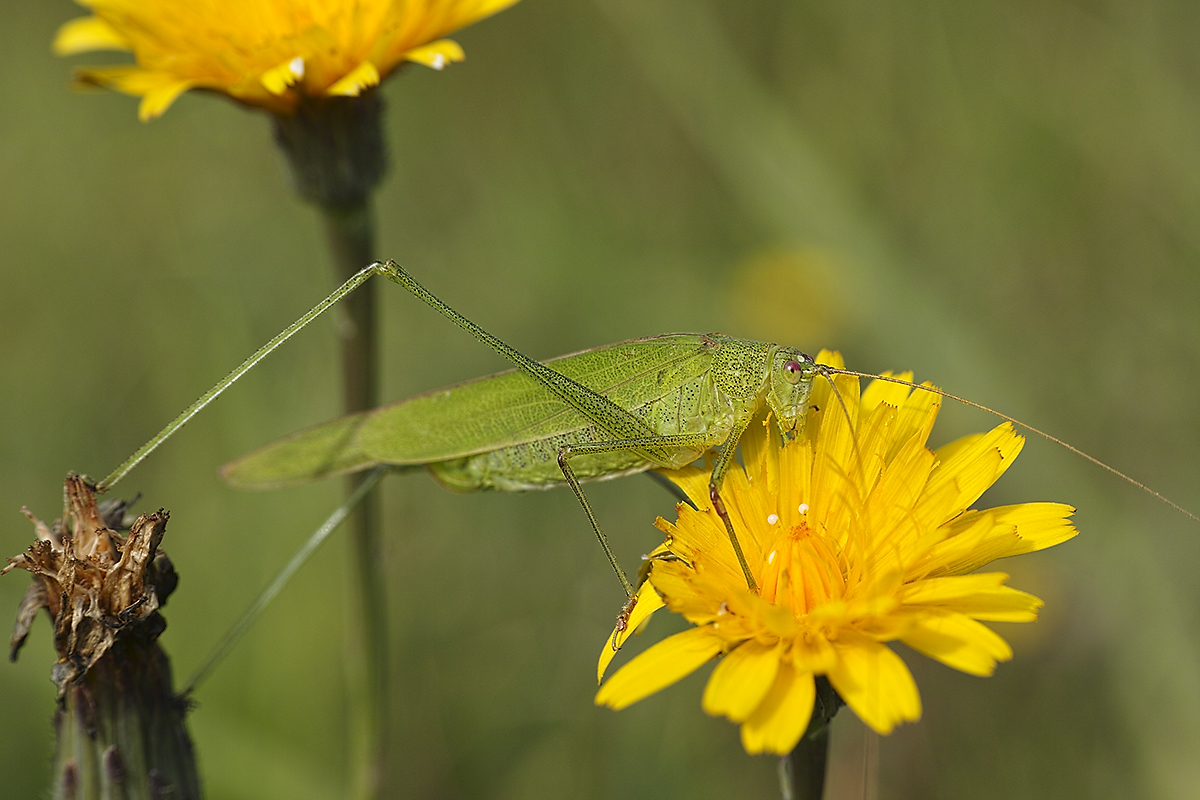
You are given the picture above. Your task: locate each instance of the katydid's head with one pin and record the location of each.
(792, 375)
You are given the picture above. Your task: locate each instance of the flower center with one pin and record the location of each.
(801, 571)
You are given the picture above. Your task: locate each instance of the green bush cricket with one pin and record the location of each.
(658, 402)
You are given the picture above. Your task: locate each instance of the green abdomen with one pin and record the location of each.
(534, 465)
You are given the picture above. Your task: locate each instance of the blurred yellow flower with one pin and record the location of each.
(764, 288)
(857, 535)
(264, 52)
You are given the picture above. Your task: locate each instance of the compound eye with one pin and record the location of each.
(793, 370)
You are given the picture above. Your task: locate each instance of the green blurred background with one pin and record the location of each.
(1004, 197)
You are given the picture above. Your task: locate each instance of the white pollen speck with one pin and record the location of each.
(772, 519)
(803, 509)
(296, 65)
(724, 609)
(439, 61)
(771, 557)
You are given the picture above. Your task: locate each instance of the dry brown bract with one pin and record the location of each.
(96, 584)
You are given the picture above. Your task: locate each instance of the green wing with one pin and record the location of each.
(483, 414)
(317, 452)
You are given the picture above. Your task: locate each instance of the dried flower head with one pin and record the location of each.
(95, 583)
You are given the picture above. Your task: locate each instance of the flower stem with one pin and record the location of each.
(335, 148)
(802, 771)
(351, 237)
(121, 731)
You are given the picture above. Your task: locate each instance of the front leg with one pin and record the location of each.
(714, 494)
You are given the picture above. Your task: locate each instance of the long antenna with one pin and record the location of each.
(1027, 427)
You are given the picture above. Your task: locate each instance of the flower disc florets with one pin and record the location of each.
(857, 534)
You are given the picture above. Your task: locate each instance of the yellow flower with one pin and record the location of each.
(264, 52)
(857, 534)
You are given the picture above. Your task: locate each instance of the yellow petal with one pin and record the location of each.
(277, 79)
(674, 580)
(970, 470)
(947, 452)
(364, 76)
(158, 90)
(936, 590)
(835, 491)
(760, 452)
(659, 667)
(821, 394)
(982, 596)
(1002, 604)
(436, 55)
(830, 358)
(874, 438)
(782, 716)
(88, 33)
(472, 12)
(1013, 530)
(894, 394)
(915, 419)
(648, 602)
(1039, 525)
(454, 15)
(813, 654)
(958, 641)
(893, 497)
(694, 483)
(159, 99)
(971, 540)
(746, 512)
(875, 683)
(741, 680)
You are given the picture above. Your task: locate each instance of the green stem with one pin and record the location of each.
(351, 237)
(802, 771)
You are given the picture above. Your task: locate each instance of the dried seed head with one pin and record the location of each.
(96, 584)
